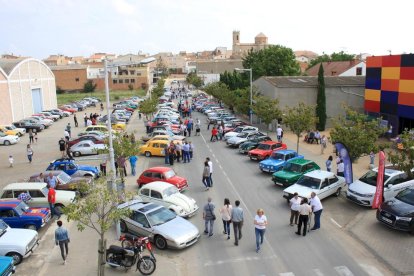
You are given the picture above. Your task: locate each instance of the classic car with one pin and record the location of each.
(18, 214)
(17, 243)
(29, 125)
(68, 108)
(92, 138)
(115, 123)
(8, 140)
(87, 147)
(7, 267)
(64, 181)
(238, 130)
(322, 183)
(69, 167)
(12, 130)
(235, 141)
(167, 195)
(362, 190)
(100, 128)
(98, 134)
(51, 115)
(398, 212)
(162, 174)
(161, 225)
(45, 122)
(252, 144)
(292, 171)
(265, 150)
(277, 160)
(154, 148)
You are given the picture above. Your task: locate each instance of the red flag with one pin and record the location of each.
(380, 182)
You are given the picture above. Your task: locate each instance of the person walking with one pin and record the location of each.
(67, 135)
(68, 129)
(189, 127)
(165, 151)
(11, 161)
(62, 239)
(31, 136)
(85, 120)
(133, 161)
(178, 150)
(29, 152)
(237, 218)
(186, 152)
(279, 133)
(225, 213)
(75, 120)
(214, 133)
(62, 146)
(122, 166)
(51, 198)
(324, 142)
(209, 217)
(206, 176)
(341, 168)
(317, 209)
(371, 160)
(35, 136)
(210, 164)
(260, 223)
(328, 163)
(171, 153)
(51, 180)
(191, 149)
(304, 212)
(197, 125)
(294, 203)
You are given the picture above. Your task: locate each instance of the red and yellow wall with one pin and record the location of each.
(389, 85)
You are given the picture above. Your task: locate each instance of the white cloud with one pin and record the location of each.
(123, 7)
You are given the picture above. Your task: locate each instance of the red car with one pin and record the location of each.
(71, 110)
(85, 137)
(162, 174)
(265, 149)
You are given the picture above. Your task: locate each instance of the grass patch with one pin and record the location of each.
(113, 95)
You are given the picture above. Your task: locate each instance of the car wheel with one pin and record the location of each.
(31, 227)
(160, 242)
(338, 192)
(7, 143)
(76, 153)
(148, 154)
(123, 226)
(58, 209)
(19, 134)
(17, 258)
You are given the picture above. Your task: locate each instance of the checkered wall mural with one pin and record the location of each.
(389, 85)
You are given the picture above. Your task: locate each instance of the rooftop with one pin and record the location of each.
(312, 81)
(8, 64)
(333, 68)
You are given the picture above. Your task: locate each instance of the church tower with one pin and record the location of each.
(236, 38)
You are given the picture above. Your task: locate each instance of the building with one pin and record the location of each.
(71, 77)
(290, 91)
(305, 56)
(241, 49)
(339, 68)
(27, 86)
(389, 90)
(56, 60)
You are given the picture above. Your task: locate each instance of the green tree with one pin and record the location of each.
(195, 80)
(130, 87)
(161, 68)
(300, 119)
(59, 90)
(321, 101)
(97, 211)
(404, 158)
(340, 56)
(89, 86)
(148, 106)
(357, 132)
(275, 60)
(267, 109)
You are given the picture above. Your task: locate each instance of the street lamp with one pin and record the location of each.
(251, 92)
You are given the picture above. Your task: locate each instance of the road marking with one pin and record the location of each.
(343, 271)
(287, 274)
(318, 272)
(371, 270)
(334, 222)
(238, 260)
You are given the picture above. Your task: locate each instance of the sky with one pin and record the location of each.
(39, 28)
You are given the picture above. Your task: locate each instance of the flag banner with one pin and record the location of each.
(377, 201)
(342, 152)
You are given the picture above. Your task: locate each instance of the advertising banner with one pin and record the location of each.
(380, 182)
(342, 152)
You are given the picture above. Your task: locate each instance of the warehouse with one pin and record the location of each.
(27, 86)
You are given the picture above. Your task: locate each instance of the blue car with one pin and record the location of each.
(72, 169)
(277, 160)
(18, 214)
(7, 267)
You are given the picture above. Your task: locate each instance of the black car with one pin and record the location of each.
(398, 212)
(27, 125)
(252, 144)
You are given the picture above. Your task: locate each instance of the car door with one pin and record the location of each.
(86, 148)
(39, 199)
(324, 189)
(10, 217)
(156, 176)
(70, 168)
(397, 184)
(156, 197)
(141, 225)
(156, 149)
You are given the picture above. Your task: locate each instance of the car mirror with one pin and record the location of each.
(389, 186)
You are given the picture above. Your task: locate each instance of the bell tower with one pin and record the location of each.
(236, 38)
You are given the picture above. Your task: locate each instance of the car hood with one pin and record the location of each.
(231, 133)
(87, 168)
(361, 187)
(258, 151)
(397, 207)
(176, 180)
(286, 174)
(17, 237)
(178, 229)
(181, 200)
(36, 212)
(302, 191)
(272, 162)
(236, 139)
(65, 197)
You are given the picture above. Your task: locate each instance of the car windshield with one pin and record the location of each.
(63, 178)
(370, 178)
(242, 135)
(11, 127)
(45, 191)
(3, 227)
(292, 167)
(277, 156)
(169, 174)
(21, 208)
(160, 216)
(263, 147)
(309, 182)
(406, 196)
(170, 191)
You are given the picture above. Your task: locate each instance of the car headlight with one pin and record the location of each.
(285, 194)
(368, 195)
(404, 218)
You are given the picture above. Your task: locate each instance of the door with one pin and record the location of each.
(37, 100)
(39, 199)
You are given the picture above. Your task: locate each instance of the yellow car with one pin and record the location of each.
(176, 138)
(154, 148)
(12, 130)
(100, 128)
(119, 126)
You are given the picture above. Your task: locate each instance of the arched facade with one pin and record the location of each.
(27, 86)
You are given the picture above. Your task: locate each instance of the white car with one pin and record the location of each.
(167, 195)
(55, 117)
(323, 183)
(362, 191)
(87, 147)
(17, 243)
(8, 140)
(238, 130)
(242, 137)
(42, 121)
(38, 191)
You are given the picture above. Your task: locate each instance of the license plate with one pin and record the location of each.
(265, 170)
(254, 158)
(279, 184)
(386, 219)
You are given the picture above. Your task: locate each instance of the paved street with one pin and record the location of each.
(345, 244)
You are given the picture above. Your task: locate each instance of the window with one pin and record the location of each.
(61, 167)
(127, 81)
(7, 213)
(132, 80)
(36, 193)
(147, 174)
(359, 71)
(156, 194)
(132, 72)
(145, 192)
(156, 175)
(71, 167)
(77, 79)
(333, 180)
(115, 81)
(141, 219)
(121, 81)
(156, 145)
(325, 184)
(7, 194)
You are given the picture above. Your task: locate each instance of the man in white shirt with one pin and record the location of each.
(317, 209)
(279, 133)
(304, 211)
(341, 168)
(210, 164)
(294, 208)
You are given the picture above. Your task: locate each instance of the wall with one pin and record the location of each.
(71, 79)
(6, 111)
(352, 71)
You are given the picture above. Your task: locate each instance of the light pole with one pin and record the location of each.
(251, 92)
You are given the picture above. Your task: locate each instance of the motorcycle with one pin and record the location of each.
(128, 241)
(117, 256)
